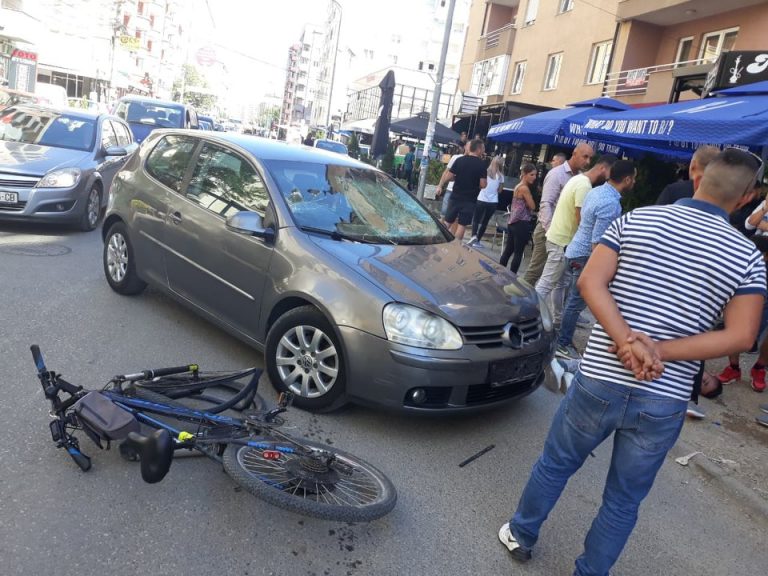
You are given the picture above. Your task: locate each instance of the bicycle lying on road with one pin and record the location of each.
(295, 474)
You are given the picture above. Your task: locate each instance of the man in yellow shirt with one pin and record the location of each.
(565, 222)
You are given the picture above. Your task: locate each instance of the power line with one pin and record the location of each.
(614, 14)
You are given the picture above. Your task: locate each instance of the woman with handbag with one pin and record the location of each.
(519, 220)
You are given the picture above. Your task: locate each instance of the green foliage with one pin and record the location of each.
(354, 146)
(193, 79)
(388, 160)
(435, 170)
(652, 175)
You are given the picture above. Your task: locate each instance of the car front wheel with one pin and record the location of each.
(120, 263)
(304, 357)
(92, 214)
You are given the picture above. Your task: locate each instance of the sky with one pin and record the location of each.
(253, 36)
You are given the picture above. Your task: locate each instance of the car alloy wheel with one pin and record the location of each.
(117, 257)
(94, 207)
(307, 361)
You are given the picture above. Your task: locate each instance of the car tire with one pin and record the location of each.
(304, 356)
(119, 262)
(92, 210)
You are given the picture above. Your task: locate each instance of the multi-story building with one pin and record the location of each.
(666, 48)
(523, 54)
(305, 98)
(18, 55)
(108, 47)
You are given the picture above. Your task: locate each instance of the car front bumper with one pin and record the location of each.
(404, 378)
(44, 204)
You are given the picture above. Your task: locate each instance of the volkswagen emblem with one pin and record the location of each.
(512, 336)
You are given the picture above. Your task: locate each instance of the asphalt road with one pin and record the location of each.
(54, 519)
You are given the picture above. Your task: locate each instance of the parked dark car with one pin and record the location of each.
(331, 145)
(349, 285)
(145, 114)
(205, 122)
(58, 165)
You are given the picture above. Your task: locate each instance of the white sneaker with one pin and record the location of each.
(471, 241)
(478, 244)
(558, 370)
(518, 551)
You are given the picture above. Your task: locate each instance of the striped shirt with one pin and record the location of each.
(679, 265)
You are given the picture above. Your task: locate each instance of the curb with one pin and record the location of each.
(756, 507)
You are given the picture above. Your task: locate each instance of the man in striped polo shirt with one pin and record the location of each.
(656, 282)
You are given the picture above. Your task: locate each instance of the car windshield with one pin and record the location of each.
(332, 146)
(153, 115)
(46, 128)
(360, 204)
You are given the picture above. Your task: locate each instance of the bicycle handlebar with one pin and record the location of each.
(149, 374)
(38, 358)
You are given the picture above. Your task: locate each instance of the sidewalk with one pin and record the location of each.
(734, 448)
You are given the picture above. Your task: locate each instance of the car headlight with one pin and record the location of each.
(415, 327)
(546, 313)
(63, 178)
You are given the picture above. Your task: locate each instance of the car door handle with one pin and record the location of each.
(175, 217)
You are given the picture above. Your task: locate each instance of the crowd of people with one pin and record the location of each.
(670, 286)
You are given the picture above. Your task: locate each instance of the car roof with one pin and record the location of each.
(150, 100)
(268, 149)
(73, 112)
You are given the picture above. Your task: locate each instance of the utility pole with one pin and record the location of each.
(333, 72)
(435, 102)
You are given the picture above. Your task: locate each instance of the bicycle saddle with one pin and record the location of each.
(155, 452)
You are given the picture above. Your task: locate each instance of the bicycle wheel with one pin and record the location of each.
(351, 491)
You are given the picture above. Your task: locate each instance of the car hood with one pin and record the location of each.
(34, 160)
(447, 279)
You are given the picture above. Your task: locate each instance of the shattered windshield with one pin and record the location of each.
(355, 203)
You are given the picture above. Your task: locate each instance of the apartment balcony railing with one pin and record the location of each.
(496, 42)
(635, 82)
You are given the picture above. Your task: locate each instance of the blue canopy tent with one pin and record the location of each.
(736, 117)
(560, 127)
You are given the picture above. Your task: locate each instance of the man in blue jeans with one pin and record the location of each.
(601, 207)
(656, 291)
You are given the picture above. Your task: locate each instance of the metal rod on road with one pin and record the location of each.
(435, 102)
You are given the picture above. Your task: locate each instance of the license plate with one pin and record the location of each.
(9, 197)
(504, 372)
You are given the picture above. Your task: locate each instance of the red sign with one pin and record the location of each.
(206, 56)
(24, 55)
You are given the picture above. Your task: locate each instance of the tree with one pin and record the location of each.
(354, 146)
(190, 80)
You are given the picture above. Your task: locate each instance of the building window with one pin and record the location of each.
(149, 45)
(598, 62)
(518, 76)
(489, 76)
(552, 74)
(684, 49)
(565, 6)
(140, 8)
(715, 42)
(152, 21)
(530, 12)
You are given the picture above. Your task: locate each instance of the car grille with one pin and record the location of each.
(16, 181)
(18, 207)
(491, 336)
(487, 393)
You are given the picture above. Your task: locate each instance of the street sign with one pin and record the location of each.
(736, 68)
(206, 56)
(129, 42)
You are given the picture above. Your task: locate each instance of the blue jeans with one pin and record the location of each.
(574, 303)
(644, 425)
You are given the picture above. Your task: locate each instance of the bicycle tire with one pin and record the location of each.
(251, 476)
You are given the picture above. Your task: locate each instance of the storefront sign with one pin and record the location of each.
(22, 72)
(736, 68)
(130, 42)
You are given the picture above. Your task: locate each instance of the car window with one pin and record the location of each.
(151, 114)
(47, 128)
(108, 137)
(357, 202)
(224, 183)
(168, 161)
(332, 146)
(123, 134)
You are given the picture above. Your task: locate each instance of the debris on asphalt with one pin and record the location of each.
(683, 460)
(476, 456)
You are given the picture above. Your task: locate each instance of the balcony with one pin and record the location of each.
(651, 84)
(670, 12)
(496, 43)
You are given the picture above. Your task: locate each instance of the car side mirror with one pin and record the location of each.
(116, 151)
(250, 224)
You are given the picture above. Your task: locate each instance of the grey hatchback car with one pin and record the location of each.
(349, 285)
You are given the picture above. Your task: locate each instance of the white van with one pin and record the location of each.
(55, 94)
